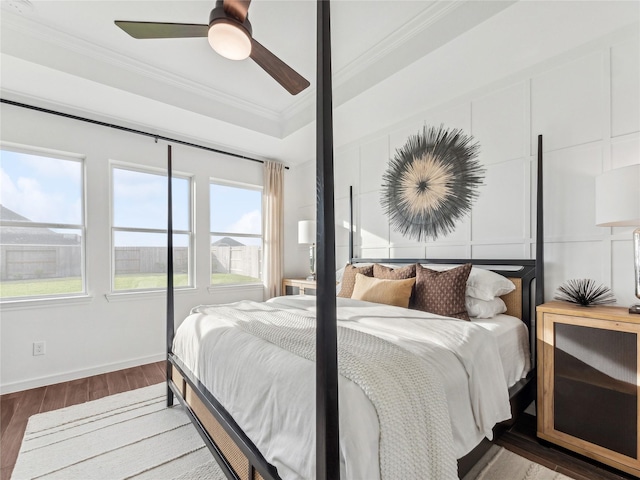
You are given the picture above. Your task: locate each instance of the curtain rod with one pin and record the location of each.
(129, 130)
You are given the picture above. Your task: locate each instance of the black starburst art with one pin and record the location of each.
(431, 182)
(585, 292)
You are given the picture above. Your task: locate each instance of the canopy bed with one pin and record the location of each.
(262, 427)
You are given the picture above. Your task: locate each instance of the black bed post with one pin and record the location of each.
(327, 434)
(539, 231)
(170, 326)
(350, 223)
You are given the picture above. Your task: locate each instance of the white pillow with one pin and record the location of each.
(483, 284)
(487, 285)
(484, 308)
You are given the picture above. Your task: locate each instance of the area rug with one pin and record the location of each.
(133, 435)
(501, 464)
(130, 435)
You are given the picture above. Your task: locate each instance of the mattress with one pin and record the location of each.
(280, 421)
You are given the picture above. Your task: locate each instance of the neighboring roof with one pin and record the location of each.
(31, 235)
(227, 242)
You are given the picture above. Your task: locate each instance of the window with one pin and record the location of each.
(139, 231)
(236, 234)
(41, 225)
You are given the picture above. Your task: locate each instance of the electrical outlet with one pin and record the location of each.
(39, 348)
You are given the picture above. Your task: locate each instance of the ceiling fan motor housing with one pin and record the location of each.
(219, 15)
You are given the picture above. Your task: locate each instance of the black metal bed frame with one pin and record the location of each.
(327, 419)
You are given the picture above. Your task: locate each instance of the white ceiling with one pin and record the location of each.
(70, 53)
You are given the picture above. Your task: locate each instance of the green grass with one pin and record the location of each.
(61, 286)
(232, 278)
(44, 286)
(148, 281)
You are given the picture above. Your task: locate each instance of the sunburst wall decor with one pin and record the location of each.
(431, 182)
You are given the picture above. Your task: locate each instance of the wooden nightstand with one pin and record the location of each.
(298, 286)
(589, 382)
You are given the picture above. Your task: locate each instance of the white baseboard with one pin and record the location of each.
(77, 374)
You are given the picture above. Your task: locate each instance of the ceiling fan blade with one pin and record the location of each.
(286, 76)
(237, 8)
(143, 30)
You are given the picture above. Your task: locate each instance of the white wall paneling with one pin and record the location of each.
(585, 103)
(495, 218)
(374, 158)
(622, 281)
(625, 94)
(372, 224)
(499, 124)
(569, 183)
(567, 103)
(625, 150)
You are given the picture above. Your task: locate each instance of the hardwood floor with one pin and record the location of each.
(16, 408)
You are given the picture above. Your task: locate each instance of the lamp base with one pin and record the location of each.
(635, 309)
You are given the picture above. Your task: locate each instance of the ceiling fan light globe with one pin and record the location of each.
(229, 40)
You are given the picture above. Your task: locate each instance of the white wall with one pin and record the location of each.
(584, 102)
(96, 334)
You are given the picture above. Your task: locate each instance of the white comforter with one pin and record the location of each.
(281, 421)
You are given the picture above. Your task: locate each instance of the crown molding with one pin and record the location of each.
(398, 39)
(43, 32)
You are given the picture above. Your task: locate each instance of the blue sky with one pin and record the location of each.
(45, 189)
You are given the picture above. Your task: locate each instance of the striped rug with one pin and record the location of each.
(130, 435)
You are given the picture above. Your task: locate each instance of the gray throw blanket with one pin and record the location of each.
(415, 430)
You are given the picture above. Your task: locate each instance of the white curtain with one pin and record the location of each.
(273, 219)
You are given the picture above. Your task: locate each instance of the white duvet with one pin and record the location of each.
(280, 420)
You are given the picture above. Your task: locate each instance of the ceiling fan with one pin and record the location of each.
(230, 34)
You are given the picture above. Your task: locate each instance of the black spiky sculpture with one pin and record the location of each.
(431, 182)
(585, 292)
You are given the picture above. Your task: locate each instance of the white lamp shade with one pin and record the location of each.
(307, 231)
(618, 197)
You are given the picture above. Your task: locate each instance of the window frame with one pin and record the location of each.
(59, 155)
(246, 186)
(191, 276)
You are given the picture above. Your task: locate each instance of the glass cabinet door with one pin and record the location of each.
(594, 383)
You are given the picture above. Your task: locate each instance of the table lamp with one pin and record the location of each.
(307, 236)
(618, 205)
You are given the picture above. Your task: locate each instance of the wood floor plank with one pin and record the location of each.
(8, 406)
(117, 382)
(54, 397)
(29, 403)
(153, 374)
(98, 387)
(77, 392)
(136, 378)
(5, 472)
(11, 440)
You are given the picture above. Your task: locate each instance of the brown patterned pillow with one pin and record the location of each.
(388, 273)
(443, 292)
(349, 279)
